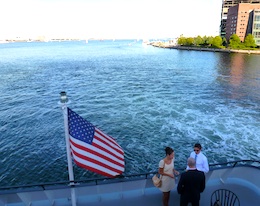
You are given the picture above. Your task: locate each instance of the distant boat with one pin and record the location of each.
(86, 41)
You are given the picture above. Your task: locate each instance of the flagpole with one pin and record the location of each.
(63, 101)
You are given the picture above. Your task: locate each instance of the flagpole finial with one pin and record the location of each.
(63, 97)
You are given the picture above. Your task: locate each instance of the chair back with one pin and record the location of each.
(223, 197)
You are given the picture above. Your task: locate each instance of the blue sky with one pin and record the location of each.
(109, 18)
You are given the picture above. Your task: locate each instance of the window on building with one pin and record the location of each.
(257, 26)
(257, 18)
(256, 34)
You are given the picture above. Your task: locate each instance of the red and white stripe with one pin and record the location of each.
(104, 156)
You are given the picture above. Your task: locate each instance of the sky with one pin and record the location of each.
(142, 19)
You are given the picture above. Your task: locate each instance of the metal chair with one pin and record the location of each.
(223, 197)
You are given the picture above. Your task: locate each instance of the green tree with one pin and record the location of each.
(224, 42)
(250, 41)
(234, 42)
(217, 42)
(210, 40)
(181, 40)
(198, 41)
(207, 40)
(189, 41)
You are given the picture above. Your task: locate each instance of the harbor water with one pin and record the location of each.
(145, 97)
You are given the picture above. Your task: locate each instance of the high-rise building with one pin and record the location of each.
(244, 19)
(256, 26)
(226, 4)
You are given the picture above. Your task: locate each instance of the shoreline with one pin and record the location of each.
(208, 49)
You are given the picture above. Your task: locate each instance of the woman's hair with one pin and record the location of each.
(168, 150)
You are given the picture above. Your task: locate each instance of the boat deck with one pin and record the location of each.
(243, 180)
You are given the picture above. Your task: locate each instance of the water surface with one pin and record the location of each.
(147, 98)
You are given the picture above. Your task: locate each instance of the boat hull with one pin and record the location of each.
(242, 180)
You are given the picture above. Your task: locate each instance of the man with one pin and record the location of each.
(200, 159)
(191, 184)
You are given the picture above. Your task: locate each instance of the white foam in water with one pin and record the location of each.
(146, 98)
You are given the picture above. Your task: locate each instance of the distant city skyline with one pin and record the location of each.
(115, 19)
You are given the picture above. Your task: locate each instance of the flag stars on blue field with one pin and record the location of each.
(80, 128)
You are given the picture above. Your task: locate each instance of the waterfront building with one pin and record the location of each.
(254, 25)
(226, 4)
(244, 19)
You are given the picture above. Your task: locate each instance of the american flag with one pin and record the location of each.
(92, 149)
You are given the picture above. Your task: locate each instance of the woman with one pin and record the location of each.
(166, 169)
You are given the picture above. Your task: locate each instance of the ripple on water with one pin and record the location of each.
(146, 99)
